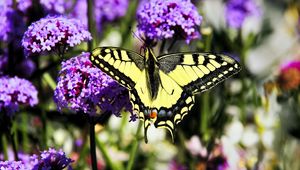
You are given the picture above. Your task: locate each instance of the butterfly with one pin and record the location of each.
(162, 88)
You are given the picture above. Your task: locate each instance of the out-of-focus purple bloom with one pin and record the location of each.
(56, 6)
(21, 5)
(174, 165)
(14, 92)
(238, 10)
(53, 159)
(83, 87)
(162, 19)
(104, 8)
(102, 11)
(3, 63)
(12, 25)
(54, 33)
(26, 67)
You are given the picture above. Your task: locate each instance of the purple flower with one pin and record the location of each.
(26, 67)
(174, 165)
(12, 165)
(3, 63)
(238, 10)
(26, 162)
(104, 8)
(14, 92)
(163, 19)
(49, 159)
(53, 159)
(56, 6)
(54, 33)
(84, 88)
(12, 25)
(102, 11)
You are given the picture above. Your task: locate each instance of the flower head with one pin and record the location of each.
(104, 8)
(53, 159)
(289, 77)
(162, 19)
(54, 33)
(14, 92)
(83, 87)
(102, 11)
(56, 6)
(26, 162)
(12, 165)
(11, 22)
(238, 10)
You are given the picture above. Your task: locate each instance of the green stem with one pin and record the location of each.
(24, 131)
(128, 21)
(93, 145)
(122, 127)
(162, 47)
(44, 130)
(204, 113)
(49, 80)
(13, 140)
(134, 148)
(91, 24)
(4, 146)
(105, 154)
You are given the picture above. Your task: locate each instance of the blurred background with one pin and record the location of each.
(250, 121)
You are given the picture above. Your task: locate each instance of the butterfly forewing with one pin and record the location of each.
(197, 72)
(122, 65)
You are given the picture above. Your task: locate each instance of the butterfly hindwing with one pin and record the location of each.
(122, 65)
(197, 72)
(168, 108)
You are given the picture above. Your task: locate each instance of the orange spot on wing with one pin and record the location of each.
(153, 114)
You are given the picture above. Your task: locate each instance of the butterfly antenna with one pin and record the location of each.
(138, 37)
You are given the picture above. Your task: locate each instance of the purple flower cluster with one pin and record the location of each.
(53, 159)
(109, 10)
(11, 21)
(102, 10)
(12, 165)
(14, 92)
(56, 6)
(54, 33)
(49, 159)
(238, 10)
(83, 87)
(162, 19)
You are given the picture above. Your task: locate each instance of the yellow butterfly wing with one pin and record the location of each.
(197, 72)
(124, 66)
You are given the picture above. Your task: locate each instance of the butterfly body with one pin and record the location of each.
(162, 88)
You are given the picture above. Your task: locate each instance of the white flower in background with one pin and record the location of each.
(195, 147)
(112, 39)
(234, 131)
(250, 136)
(234, 154)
